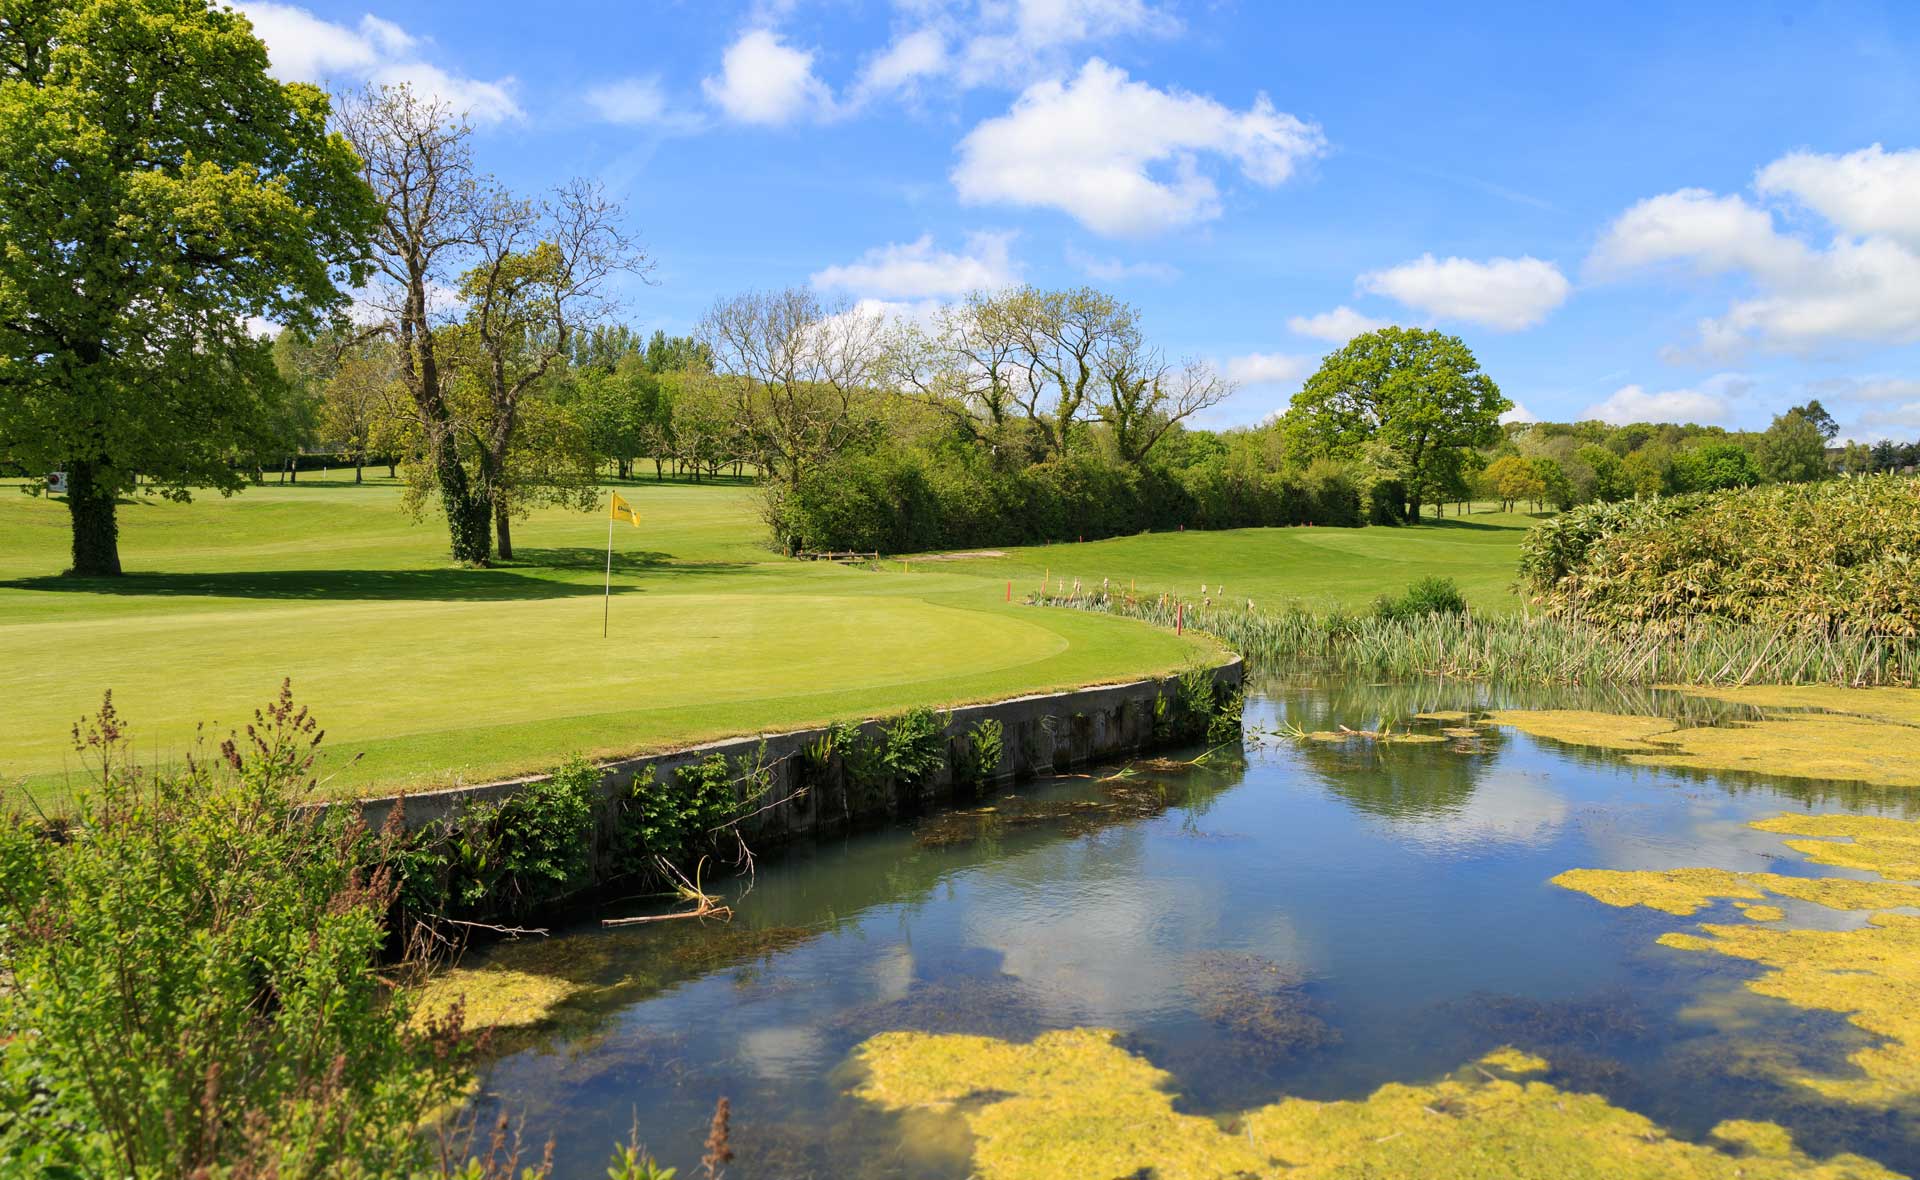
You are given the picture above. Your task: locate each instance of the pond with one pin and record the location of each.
(1317, 921)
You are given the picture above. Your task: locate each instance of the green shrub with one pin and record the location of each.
(1836, 557)
(677, 820)
(1427, 596)
(980, 757)
(914, 746)
(193, 981)
(505, 859)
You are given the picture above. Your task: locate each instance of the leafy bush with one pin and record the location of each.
(193, 981)
(980, 757)
(1833, 557)
(1426, 596)
(677, 820)
(504, 859)
(914, 746)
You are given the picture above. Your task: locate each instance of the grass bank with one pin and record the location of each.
(1321, 568)
(426, 674)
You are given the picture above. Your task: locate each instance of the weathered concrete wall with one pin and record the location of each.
(1041, 734)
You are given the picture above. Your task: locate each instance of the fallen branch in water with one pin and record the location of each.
(705, 905)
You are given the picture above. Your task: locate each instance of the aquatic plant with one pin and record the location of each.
(1871, 973)
(1262, 1004)
(1836, 744)
(1074, 1103)
(1535, 649)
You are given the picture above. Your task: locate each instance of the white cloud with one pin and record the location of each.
(1505, 294)
(1890, 418)
(303, 47)
(1012, 41)
(1710, 405)
(1268, 368)
(915, 270)
(1868, 389)
(763, 80)
(1336, 327)
(1867, 192)
(1121, 156)
(912, 57)
(1519, 413)
(631, 100)
(1863, 286)
(1114, 270)
(483, 102)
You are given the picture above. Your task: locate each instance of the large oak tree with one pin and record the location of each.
(157, 190)
(1414, 397)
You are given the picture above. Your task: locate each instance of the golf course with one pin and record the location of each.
(425, 674)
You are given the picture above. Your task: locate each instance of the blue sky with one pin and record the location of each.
(1686, 211)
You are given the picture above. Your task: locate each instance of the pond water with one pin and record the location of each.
(1316, 921)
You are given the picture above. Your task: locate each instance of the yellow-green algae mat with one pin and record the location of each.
(1075, 1104)
(1867, 735)
(1871, 974)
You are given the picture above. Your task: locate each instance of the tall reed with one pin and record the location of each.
(1529, 648)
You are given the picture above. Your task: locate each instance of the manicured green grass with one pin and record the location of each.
(424, 674)
(1315, 567)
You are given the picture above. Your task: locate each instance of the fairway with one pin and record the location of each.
(431, 674)
(1312, 567)
(424, 674)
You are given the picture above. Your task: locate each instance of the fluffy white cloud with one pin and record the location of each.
(912, 57)
(1505, 294)
(1268, 368)
(764, 80)
(1336, 327)
(1519, 413)
(1870, 191)
(1121, 156)
(915, 270)
(1712, 404)
(303, 47)
(1862, 286)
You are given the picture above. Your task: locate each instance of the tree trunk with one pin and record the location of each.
(657, 477)
(96, 531)
(503, 529)
(356, 472)
(1413, 508)
(469, 516)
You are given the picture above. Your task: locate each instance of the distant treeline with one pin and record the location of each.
(1025, 417)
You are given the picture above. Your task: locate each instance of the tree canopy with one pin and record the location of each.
(1415, 398)
(158, 191)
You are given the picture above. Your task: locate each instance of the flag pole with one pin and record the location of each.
(606, 597)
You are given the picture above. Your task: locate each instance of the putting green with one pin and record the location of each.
(424, 674)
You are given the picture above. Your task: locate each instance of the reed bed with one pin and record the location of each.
(1528, 648)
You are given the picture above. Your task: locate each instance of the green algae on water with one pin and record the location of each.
(1686, 891)
(1866, 735)
(1074, 1103)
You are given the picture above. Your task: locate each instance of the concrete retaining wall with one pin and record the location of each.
(1041, 734)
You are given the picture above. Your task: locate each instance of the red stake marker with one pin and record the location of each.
(1009, 591)
(1180, 619)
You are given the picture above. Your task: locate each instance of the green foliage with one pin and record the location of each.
(506, 858)
(678, 820)
(1711, 467)
(1431, 595)
(1418, 398)
(157, 187)
(1794, 448)
(1836, 556)
(976, 762)
(193, 977)
(913, 746)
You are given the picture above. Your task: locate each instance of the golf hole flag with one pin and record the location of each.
(618, 509)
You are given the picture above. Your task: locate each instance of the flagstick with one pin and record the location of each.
(606, 599)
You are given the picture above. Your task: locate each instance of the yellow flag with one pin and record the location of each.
(621, 510)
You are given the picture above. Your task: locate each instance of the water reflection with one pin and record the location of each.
(1317, 922)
